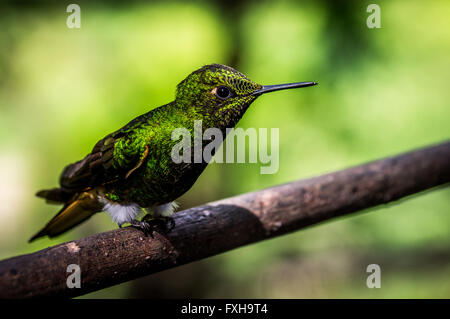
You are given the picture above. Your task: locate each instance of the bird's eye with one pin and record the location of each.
(223, 92)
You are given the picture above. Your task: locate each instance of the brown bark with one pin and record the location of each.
(124, 254)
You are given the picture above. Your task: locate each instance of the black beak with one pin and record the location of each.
(271, 88)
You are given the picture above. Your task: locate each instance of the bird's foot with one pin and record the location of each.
(165, 223)
(144, 226)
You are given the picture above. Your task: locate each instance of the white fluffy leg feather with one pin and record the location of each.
(121, 213)
(165, 210)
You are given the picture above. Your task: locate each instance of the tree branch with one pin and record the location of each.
(124, 254)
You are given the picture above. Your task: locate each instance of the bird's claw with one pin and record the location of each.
(144, 226)
(171, 222)
(164, 223)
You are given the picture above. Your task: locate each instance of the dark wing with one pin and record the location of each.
(95, 169)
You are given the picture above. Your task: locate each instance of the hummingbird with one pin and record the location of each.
(130, 172)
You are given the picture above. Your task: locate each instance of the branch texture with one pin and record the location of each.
(124, 254)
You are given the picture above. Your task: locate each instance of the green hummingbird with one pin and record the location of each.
(131, 171)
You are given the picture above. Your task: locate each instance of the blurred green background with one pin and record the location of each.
(381, 92)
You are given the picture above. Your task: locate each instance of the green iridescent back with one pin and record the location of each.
(160, 180)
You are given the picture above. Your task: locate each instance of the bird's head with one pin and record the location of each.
(219, 91)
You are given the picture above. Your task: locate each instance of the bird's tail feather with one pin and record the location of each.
(79, 208)
(55, 195)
